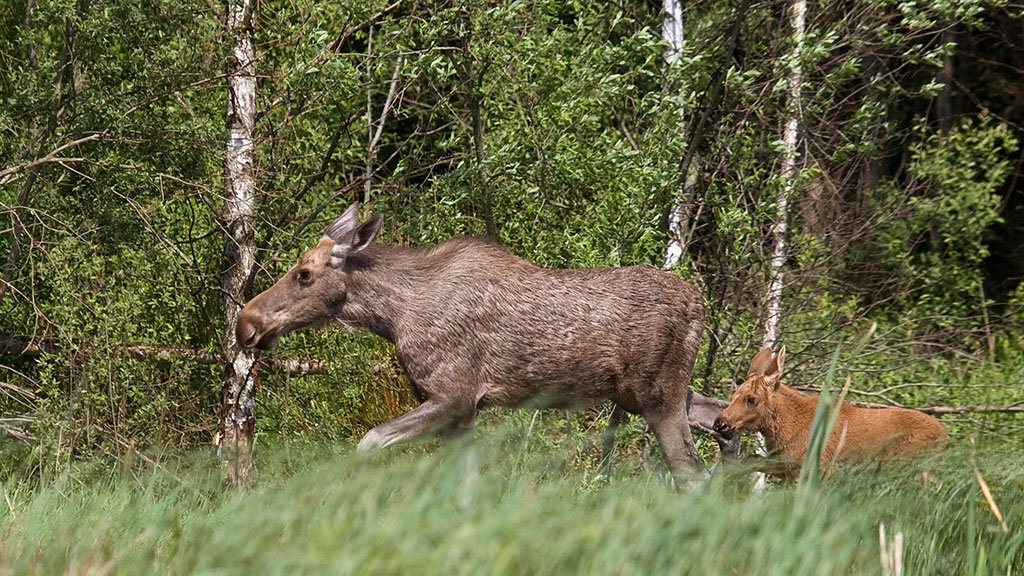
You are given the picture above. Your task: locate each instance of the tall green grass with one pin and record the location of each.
(327, 511)
(825, 417)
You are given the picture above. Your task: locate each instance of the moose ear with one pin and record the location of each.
(355, 240)
(365, 234)
(774, 372)
(344, 225)
(760, 363)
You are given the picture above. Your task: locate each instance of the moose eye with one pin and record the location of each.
(751, 401)
(304, 276)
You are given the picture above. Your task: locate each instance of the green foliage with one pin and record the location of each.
(939, 241)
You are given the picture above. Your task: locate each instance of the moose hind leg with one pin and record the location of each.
(430, 417)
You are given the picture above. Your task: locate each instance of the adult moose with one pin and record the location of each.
(475, 326)
(762, 403)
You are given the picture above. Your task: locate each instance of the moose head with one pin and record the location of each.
(750, 407)
(314, 291)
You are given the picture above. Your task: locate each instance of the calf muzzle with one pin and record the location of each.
(723, 428)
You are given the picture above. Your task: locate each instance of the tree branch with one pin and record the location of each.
(371, 150)
(7, 173)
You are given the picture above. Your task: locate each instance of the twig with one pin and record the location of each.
(1009, 409)
(889, 403)
(9, 506)
(7, 173)
(988, 493)
(388, 102)
(293, 367)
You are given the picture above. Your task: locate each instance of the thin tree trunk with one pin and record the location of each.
(478, 146)
(472, 75)
(871, 174)
(681, 216)
(791, 132)
(944, 101)
(773, 297)
(944, 112)
(237, 413)
(672, 32)
(465, 66)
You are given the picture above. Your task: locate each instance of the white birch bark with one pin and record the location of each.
(672, 34)
(238, 377)
(368, 177)
(789, 172)
(791, 132)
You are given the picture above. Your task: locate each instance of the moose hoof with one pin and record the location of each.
(372, 441)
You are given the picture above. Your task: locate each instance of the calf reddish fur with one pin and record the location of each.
(475, 326)
(784, 416)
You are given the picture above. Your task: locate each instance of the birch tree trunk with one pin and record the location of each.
(368, 177)
(773, 297)
(679, 215)
(790, 135)
(237, 413)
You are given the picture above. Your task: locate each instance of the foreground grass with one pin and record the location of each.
(411, 512)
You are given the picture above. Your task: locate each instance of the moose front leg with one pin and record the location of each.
(431, 417)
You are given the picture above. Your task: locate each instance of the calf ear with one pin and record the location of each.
(774, 372)
(760, 363)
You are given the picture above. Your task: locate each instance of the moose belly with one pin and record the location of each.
(553, 393)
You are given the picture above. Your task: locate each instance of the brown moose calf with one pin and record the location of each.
(783, 415)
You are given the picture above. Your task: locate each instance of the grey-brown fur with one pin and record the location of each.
(475, 326)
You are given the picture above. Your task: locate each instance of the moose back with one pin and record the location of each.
(475, 326)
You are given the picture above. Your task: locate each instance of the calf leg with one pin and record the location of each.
(430, 417)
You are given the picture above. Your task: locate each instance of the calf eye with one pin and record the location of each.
(751, 401)
(304, 276)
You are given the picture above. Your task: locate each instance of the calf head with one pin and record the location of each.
(313, 291)
(748, 407)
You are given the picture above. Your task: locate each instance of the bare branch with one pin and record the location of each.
(387, 104)
(371, 149)
(7, 173)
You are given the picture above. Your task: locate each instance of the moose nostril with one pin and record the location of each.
(245, 333)
(720, 425)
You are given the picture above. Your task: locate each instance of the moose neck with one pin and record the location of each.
(382, 281)
(789, 416)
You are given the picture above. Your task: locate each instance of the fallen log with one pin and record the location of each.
(14, 346)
